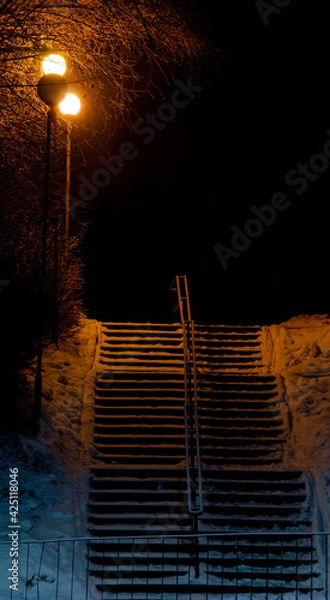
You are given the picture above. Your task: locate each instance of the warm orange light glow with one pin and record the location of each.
(70, 105)
(55, 64)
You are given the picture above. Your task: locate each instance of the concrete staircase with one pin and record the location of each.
(139, 488)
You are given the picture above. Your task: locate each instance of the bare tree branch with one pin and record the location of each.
(117, 52)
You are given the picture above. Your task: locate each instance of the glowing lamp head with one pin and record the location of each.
(54, 64)
(70, 105)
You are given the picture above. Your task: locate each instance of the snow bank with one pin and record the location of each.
(298, 353)
(53, 464)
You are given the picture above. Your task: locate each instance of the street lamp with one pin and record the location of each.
(52, 89)
(69, 106)
(54, 63)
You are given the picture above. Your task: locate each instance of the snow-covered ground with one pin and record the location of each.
(53, 464)
(51, 467)
(298, 353)
(50, 470)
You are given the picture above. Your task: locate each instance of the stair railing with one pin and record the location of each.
(69, 564)
(179, 289)
(193, 457)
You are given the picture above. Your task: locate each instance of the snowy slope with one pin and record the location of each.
(52, 464)
(298, 351)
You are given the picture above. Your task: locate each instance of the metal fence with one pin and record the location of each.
(162, 568)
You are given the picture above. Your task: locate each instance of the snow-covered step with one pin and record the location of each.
(268, 480)
(224, 422)
(125, 410)
(250, 412)
(136, 430)
(219, 338)
(242, 404)
(108, 379)
(148, 365)
(233, 456)
(137, 390)
(154, 419)
(141, 476)
(109, 520)
(281, 587)
(120, 497)
(228, 364)
(237, 382)
(125, 328)
(172, 450)
(220, 331)
(140, 459)
(129, 380)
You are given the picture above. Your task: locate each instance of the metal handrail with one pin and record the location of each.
(193, 457)
(236, 533)
(179, 287)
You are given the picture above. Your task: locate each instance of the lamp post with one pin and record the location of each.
(52, 89)
(69, 106)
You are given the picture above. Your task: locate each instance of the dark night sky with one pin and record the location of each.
(230, 149)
